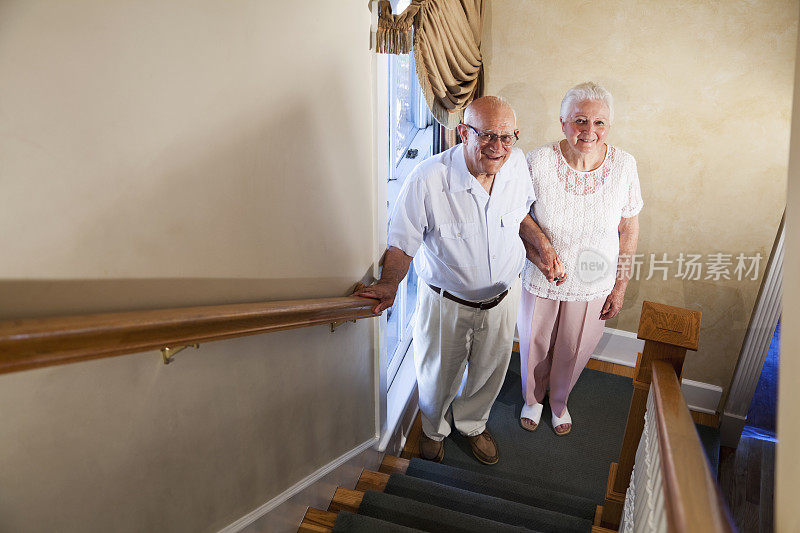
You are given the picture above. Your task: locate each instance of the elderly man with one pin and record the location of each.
(462, 209)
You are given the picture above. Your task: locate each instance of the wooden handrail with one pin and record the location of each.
(691, 496)
(41, 342)
(667, 332)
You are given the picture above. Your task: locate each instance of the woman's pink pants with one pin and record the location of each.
(556, 340)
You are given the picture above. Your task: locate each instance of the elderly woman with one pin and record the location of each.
(587, 201)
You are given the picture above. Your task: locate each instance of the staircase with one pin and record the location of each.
(416, 495)
(550, 483)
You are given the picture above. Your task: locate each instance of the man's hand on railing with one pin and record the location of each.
(395, 267)
(385, 291)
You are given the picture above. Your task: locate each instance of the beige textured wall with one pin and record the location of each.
(703, 97)
(173, 153)
(787, 467)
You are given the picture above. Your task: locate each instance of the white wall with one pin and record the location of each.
(128, 444)
(228, 144)
(160, 154)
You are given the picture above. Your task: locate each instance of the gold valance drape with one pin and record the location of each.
(446, 38)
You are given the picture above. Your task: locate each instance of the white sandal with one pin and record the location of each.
(559, 420)
(530, 416)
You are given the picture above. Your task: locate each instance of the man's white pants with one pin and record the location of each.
(447, 337)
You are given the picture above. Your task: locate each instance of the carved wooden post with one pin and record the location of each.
(667, 332)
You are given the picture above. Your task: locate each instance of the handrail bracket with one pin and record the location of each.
(168, 352)
(335, 325)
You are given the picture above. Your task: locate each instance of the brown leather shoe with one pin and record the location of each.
(431, 450)
(484, 448)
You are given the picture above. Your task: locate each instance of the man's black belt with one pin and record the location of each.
(487, 304)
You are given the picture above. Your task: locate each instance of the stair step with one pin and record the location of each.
(549, 478)
(393, 465)
(435, 497)
(356, 523)
(316, 521)
(598, 515)
(370, 480)
(346, 500)
(427, 517)
(514, 491)
(481, 505)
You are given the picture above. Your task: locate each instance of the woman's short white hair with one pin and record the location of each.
(587, 91)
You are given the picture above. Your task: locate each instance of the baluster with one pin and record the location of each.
(668, 332)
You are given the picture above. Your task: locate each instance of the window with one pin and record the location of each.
(410, 141)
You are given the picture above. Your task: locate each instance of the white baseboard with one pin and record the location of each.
(701, 397)
(285, 511)
(622, 347)
(619, 347)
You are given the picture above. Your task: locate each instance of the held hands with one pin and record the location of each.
(561, 272)
(548, 262)
(384, 291)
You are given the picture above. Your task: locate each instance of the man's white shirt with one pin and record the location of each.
(468, 240)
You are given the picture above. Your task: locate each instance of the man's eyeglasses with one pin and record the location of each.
(486, 137)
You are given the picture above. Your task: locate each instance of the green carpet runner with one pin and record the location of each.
(543, 482)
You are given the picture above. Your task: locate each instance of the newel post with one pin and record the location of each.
(667, 333)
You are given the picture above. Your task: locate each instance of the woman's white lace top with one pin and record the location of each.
(580, 213)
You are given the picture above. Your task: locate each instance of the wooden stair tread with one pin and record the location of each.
(317, 521)
(598, 515)
(394, 465)
(313, 528)
(371, 480)
(346, 500)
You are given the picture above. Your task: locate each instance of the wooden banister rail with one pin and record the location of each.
(668, 332)
(691, 496)
(35, 343)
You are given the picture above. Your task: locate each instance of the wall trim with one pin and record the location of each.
(757, 340)
(379, 69)
(701, 397)
(618, 346)
(400, 399)
(621, 347)
(304, 483)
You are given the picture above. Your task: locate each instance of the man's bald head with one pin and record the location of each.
(488, 106)
(487, 121)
